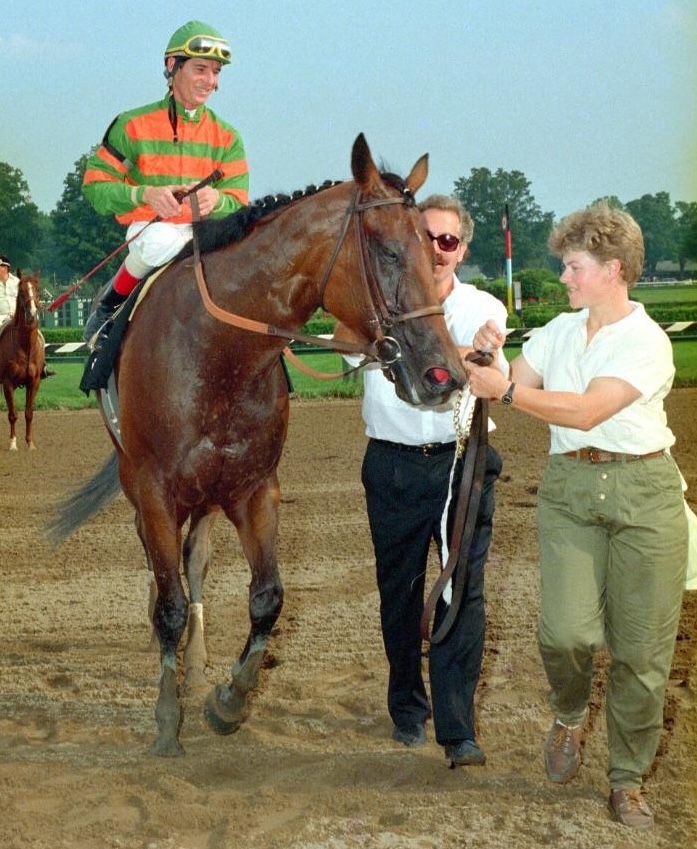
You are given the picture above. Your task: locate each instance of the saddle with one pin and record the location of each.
(105, 347)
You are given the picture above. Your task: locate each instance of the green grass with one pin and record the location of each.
(685, 358)
(349, 386)
(62, 391)
(654, 295)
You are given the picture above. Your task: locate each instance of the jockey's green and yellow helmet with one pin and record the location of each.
(196, 40)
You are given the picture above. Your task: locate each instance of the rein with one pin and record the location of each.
(383, 348)
(466, 511)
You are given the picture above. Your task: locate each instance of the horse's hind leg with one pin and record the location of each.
(197, 555)
(257, 525)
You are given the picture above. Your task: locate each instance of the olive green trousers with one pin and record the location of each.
(613, 557)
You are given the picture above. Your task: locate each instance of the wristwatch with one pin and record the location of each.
(507, 397)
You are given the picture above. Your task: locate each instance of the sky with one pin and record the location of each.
(586, 98)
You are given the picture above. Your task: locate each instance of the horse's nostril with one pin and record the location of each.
(440, 376)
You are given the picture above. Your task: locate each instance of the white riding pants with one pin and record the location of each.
(158, 244)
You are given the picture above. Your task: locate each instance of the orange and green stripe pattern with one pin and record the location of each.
(144, 137)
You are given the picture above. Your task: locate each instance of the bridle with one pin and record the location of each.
(385, 316)
(383, 348)
(29, 305)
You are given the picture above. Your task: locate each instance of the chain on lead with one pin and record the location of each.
(462, 433)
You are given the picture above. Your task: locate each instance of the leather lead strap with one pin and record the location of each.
(466, 511)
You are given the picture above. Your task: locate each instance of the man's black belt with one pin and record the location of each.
(428, 449)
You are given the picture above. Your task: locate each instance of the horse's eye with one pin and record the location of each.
(389, 254)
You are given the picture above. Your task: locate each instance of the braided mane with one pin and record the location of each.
(213, 234)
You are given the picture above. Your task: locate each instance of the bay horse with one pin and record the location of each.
(204, 402)
(22, 357)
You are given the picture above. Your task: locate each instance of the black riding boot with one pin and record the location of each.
(106, 307)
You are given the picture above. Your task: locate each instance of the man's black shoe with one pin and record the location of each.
(465, 753)
(411, 735)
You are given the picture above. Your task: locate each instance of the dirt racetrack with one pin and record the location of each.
(314, 766)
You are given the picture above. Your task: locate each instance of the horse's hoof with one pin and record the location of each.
(224, 710)
(167, 748)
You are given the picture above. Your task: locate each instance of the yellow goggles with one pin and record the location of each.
(203, 47)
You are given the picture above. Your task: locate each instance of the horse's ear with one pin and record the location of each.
(418, 175)
(364, 171)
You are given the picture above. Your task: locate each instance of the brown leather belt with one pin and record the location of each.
(428, 449)
(597, 455)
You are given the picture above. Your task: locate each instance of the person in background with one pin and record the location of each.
(8, 303)
(8, 291)
(409, 474)
(611, 521)
(151, 153)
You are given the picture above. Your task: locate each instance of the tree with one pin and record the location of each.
(611, 200)
(655, 215)
(540, 284)
(485, 196)
(83, 237)
(690, 243)
(19, 217)
(46, 259)
(686, 232)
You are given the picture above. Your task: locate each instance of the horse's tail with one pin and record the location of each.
(87, 501)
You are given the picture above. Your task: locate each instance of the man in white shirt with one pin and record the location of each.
(407, 479)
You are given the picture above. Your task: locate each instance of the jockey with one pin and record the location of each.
(152, 152)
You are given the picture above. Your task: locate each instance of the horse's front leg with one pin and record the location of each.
(257, 526)
(9, 392)
(32, 389)
(162, 540)
(197, 555)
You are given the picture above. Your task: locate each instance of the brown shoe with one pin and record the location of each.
(562, 751)
(629, 808)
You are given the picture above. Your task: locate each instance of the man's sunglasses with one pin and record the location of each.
(445, 241)
(206, 47)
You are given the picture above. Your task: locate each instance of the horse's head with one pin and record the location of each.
(396, 307)
(28, 289)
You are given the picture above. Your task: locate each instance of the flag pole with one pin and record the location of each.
(508, 245)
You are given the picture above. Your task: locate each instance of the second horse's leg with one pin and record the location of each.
(9, 393)
(32, 389)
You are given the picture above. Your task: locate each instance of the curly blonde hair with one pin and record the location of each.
(605, 233)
